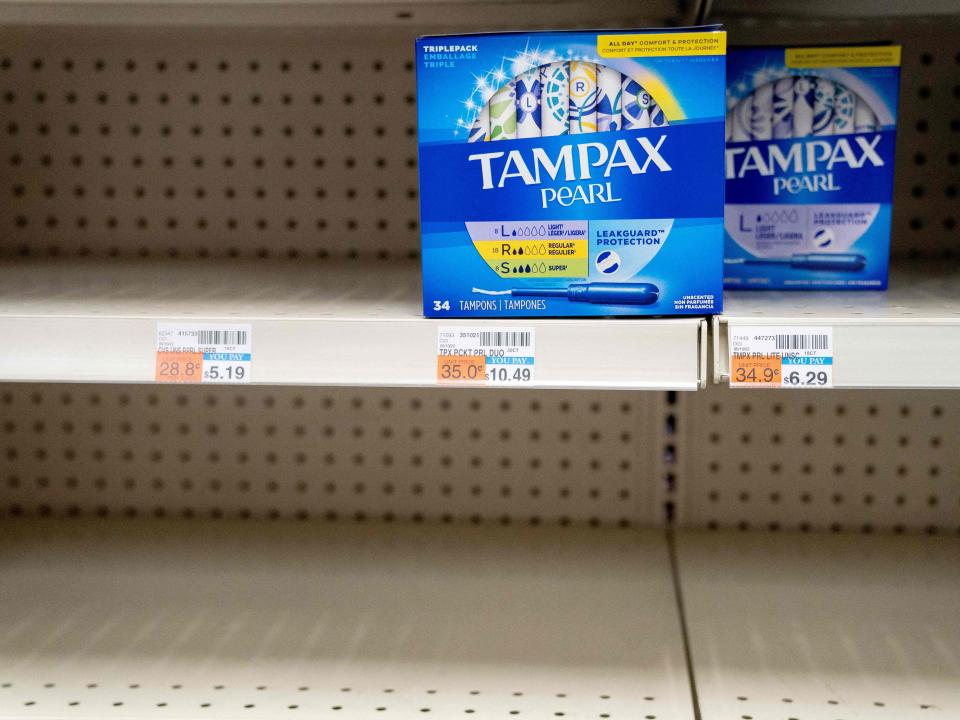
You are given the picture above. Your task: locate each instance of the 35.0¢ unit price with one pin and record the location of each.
(454, 370)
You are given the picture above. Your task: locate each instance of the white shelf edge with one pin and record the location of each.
(570, 354)
(906, 337)
(871, 354)
(98, 324)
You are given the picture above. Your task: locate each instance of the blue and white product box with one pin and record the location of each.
(572, 173)
(809, 166)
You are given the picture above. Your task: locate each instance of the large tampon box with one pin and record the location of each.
(572, 173)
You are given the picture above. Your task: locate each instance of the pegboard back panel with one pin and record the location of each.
(831, 460)
(193, 141)
(926, 208)
(568, 458)
(150, 142)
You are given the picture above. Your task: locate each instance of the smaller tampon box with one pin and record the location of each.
(810, 137)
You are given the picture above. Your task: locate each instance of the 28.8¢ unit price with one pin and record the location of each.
(179, 366)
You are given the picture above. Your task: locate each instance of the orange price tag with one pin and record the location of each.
(461, 368)
(179, 367)
(756, 370)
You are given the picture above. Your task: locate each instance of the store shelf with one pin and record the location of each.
(906, 337)
(168, 619)
(349, 323)
(820, 627)
(413, 14)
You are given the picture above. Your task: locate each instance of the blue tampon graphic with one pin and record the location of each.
(782, 122)
(761, 115)
(610, 86)
(583, 97)
(844, 104)
(528, 104)
(798, 107)
(555, 99)
(833, 262)
(803, 101)
(503, 113)
(824, 110)
(481, 126)
(635, 105)
(742, 113)
(864, 119)
(598, 293)
(657, 118)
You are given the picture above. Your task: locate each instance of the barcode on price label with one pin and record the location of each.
(203, 353)
(222, 337)
(506, 339)
(778, 357)
(802, 342)
(485, 355)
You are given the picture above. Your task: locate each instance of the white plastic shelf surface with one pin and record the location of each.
(821, 627)
(140, 619)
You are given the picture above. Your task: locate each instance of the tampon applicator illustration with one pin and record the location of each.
(844, 104)
(832, 262)
(598, 293)
(528, 104)
(824, 95)
(635, 105)
(583, 97)
(782, 106)
(803, 102)
(761, 117)
(554, 99)
(610, 87)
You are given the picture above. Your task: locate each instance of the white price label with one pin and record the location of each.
(204, 352)
(781, 357)
(485, 355)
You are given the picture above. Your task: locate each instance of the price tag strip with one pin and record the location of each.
(485, 355)
(781, 357)
(203, 353)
